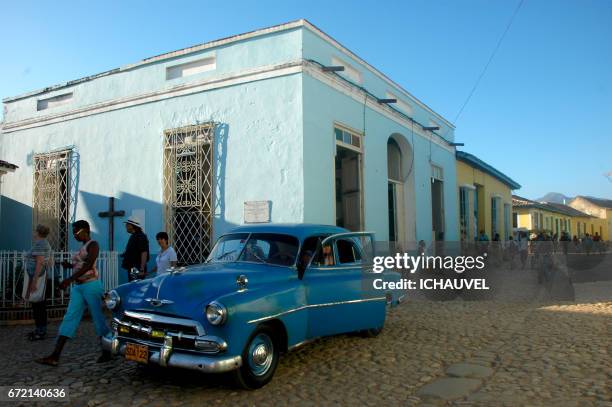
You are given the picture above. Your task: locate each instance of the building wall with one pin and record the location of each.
(323, 106)
(275, 128)
(145, 77)
(606, 226)
(576, 224)
(329, 100)
(523, 218)
(491, 187)
(602, 213)
(592, 225)
(326, 53)
(587, 207)
(258, 151)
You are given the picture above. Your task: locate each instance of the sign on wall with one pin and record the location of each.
(256, 211)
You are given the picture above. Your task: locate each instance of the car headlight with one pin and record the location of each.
(112, 299)
(216, 313)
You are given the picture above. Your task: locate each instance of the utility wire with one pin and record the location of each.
(499, 42)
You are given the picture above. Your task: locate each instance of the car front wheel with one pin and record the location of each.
(259, 359)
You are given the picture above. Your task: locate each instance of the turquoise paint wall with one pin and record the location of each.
(270, 49)
(121, 150)
(322, 51)
(121, 155)
(324, 105)
(276, 143)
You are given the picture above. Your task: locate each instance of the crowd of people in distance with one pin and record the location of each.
(523, 244)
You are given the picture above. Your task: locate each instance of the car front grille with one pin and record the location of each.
(153, 329)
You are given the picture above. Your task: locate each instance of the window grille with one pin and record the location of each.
(52, 195)
(188, 190)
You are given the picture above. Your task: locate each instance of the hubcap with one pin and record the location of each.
(261, 352)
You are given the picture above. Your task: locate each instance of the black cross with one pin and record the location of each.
(111, 214)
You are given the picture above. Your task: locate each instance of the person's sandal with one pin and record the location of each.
(49, 361)
(35, 336)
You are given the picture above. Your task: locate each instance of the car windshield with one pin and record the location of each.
(269, 248)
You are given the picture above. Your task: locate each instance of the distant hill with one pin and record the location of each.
(554, 197)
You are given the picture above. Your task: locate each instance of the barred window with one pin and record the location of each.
(52, 198)
(188, 190)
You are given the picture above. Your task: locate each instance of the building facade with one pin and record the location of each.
(251, 128)
(600, 208)
(553, 218)
(485, 198)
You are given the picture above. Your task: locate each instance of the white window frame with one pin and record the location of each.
(360, 151)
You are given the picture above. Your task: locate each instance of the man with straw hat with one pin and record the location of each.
(136, 254)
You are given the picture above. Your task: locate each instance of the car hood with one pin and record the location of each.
(186, 293)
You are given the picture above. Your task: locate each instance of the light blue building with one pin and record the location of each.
(257, 127)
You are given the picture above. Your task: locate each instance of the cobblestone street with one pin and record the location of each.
(430, 353)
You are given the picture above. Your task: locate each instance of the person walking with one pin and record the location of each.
(597, 243)
(136, 254)
(523, 248)
(587, 243)
(576, 242)
(35, 283)
(511, 250)
(166, 258)
(86, 292)
(483, 242)
(565, 240)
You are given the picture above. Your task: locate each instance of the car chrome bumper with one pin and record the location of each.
(166, 357)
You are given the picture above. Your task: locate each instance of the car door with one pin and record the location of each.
(339, 292)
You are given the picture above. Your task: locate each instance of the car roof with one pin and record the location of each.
(299, 230)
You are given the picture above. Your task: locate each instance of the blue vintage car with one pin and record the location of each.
(264, 290)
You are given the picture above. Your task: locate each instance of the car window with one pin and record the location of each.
(310, 248)
(228, 248)
(348, 251)
(270, 248)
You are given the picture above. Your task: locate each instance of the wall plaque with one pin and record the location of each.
(256, 211)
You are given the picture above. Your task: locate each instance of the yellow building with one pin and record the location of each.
(485, 198)
(553, 218)
(600, 208)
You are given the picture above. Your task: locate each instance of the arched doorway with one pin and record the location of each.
(400, 190)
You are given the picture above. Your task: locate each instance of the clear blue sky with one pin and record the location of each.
(541, 114)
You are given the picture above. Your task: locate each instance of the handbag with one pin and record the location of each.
(38, 294)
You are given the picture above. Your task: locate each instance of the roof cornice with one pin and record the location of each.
(474, 161)
(228, 40)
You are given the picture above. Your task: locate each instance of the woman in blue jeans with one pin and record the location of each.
(86, 292)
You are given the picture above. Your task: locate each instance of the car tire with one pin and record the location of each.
(372, 332)
(259, 359)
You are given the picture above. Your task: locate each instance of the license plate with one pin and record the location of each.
(137, 353)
